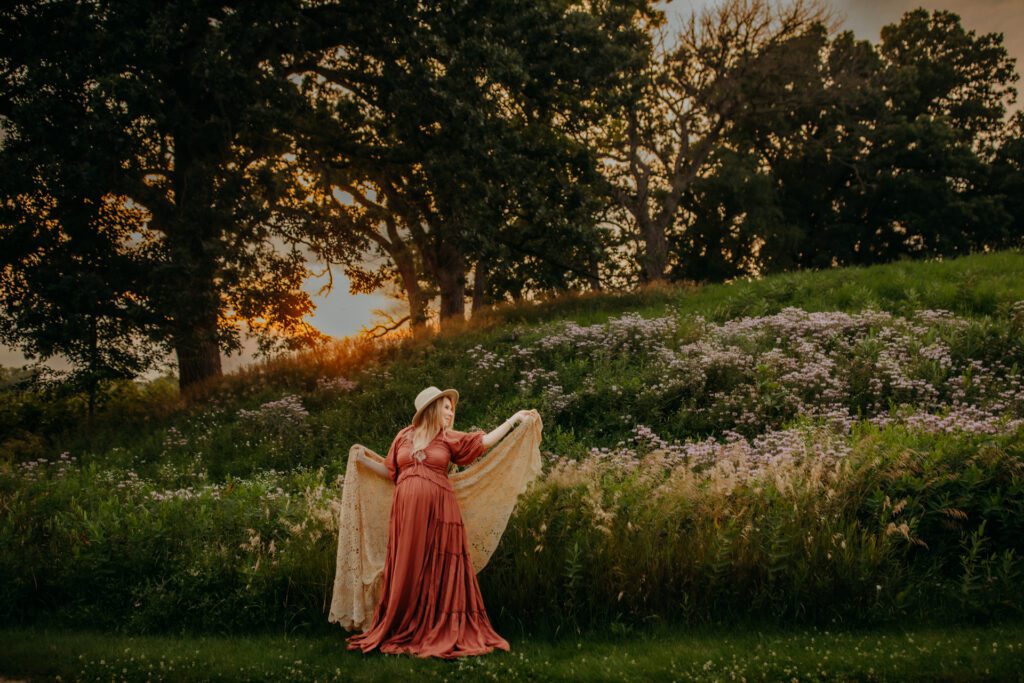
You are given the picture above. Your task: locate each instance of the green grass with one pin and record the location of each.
(970, 286)
(974, 653)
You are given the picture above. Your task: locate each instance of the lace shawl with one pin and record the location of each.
(486, 492)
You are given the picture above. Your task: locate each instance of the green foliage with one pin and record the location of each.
(909, 526)
(845, 153)
(140, 189)
(115, 555)
(783, 554)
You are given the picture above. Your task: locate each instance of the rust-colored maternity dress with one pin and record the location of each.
(431, 603)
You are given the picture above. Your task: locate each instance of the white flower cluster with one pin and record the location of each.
(34, 470)
(335, 384)
(630, 332)
(283, 413)
(744, 458)
(174, 438)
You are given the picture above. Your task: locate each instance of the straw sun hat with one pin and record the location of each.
(431, 394)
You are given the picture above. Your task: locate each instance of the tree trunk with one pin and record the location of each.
(406, 265)
(94, 357)
(198, 352)
(197, 306)
(196, 317)
(417, 310)
(445, 264)
(451, 279)
(655, 257)
(479, 285)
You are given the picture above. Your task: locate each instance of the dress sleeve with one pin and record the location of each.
(391, 459)
(467, 446)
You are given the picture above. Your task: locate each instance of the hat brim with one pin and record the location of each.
(451, 393)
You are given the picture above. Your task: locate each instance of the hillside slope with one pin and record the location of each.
(356, 392)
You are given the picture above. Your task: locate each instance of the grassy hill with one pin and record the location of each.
(981, 288)
(828, 447)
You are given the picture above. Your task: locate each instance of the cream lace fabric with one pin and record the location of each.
(486, 491)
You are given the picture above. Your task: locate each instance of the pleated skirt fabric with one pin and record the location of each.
(431, 605)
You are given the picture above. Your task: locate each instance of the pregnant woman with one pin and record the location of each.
(430, 603)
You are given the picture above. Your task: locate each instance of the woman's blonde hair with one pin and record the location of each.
(431, 422)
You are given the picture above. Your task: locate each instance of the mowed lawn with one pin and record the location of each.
(932, 653)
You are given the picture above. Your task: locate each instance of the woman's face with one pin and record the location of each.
(446, 412)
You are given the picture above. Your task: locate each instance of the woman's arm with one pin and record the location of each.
(373, 465)
(501, 430)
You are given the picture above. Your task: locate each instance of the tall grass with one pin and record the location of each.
(902, 525)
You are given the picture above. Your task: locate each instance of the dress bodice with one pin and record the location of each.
(432, 460)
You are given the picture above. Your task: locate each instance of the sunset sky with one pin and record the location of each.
(341, 314)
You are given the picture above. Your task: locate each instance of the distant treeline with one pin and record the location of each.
(169, 169)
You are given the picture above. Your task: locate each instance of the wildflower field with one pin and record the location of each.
(829, 449)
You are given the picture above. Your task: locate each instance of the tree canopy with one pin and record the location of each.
(169, 171)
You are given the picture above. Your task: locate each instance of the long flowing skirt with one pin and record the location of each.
(431, 605)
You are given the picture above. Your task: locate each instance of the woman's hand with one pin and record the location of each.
(504, 428)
